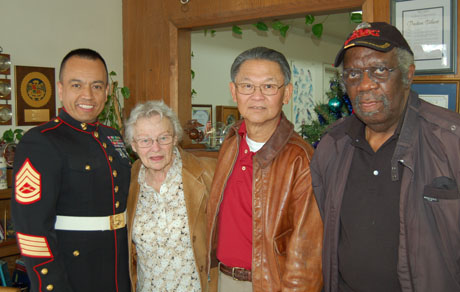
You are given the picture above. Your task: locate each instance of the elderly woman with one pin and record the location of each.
(166, 205)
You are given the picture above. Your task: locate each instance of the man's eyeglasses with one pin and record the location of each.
(147, 142)
(353, 77)
(266, 89)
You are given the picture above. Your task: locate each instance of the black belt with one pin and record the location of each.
(239, 274)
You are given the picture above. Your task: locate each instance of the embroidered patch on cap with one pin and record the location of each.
(28, 184)
(379, 36)
(33, 246)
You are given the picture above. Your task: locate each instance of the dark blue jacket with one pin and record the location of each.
(69, 168)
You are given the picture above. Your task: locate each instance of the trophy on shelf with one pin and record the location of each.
(192, 129)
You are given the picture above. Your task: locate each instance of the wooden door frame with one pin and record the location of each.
(175, 90)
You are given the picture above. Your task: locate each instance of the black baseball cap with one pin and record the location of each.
(379, 36)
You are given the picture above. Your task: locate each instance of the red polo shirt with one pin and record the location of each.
(234, 242)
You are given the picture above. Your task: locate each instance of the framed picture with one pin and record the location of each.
(442, 93)
(35, 95)
(227, 114)
(202, 113)
(430, 28)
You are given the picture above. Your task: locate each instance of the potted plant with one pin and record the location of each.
(112, 113)
(8, 143)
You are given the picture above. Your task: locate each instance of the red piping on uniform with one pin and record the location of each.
(52, 128)
(77, 129)
(113, 194)
(105, 126)
(38, 274)
(113, 210)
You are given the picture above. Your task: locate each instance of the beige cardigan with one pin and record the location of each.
(197, 173)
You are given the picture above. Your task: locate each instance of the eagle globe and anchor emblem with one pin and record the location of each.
(36, 89)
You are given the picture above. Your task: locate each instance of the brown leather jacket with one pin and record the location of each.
(196, 177)
(287, 227)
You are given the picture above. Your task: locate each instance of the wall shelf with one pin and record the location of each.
(8, 248)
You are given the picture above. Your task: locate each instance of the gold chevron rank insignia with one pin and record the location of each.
(28, 184)
(33, 246)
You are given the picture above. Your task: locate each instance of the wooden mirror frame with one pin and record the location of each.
(157, 42)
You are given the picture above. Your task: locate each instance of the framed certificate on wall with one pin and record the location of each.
(430, 28)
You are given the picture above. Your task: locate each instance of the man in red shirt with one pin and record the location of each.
(264, 226)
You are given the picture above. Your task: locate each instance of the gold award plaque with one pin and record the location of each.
(36, 115)
(35, 95)
(36, 89)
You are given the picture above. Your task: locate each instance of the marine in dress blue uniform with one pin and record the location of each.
(69, 168)
(71, 181)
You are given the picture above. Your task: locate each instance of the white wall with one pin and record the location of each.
(213, 56)
(40, 33)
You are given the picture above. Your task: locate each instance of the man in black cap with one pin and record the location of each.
(387, 178)
(71, 181)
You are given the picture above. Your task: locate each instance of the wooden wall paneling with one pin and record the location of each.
(146, 44)
(130, 50)
(180, 72)
(376, 10)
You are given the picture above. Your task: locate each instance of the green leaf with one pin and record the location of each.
(312, 132)
(125, 92)
(18, 131)
(317, 29)
(261, 26)
(213, 32)
(277, 25)
(193, 74)
(8, 136)
(102, 114)
(108, 115)
(237, 30)
(284, 30)
(193, 54)
(309, 19)
(356, 17)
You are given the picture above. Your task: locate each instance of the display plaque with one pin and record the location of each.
(35, 90)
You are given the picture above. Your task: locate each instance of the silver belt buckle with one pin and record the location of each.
(233, 272)
(117, 221)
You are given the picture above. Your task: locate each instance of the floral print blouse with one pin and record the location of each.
(161, 233)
